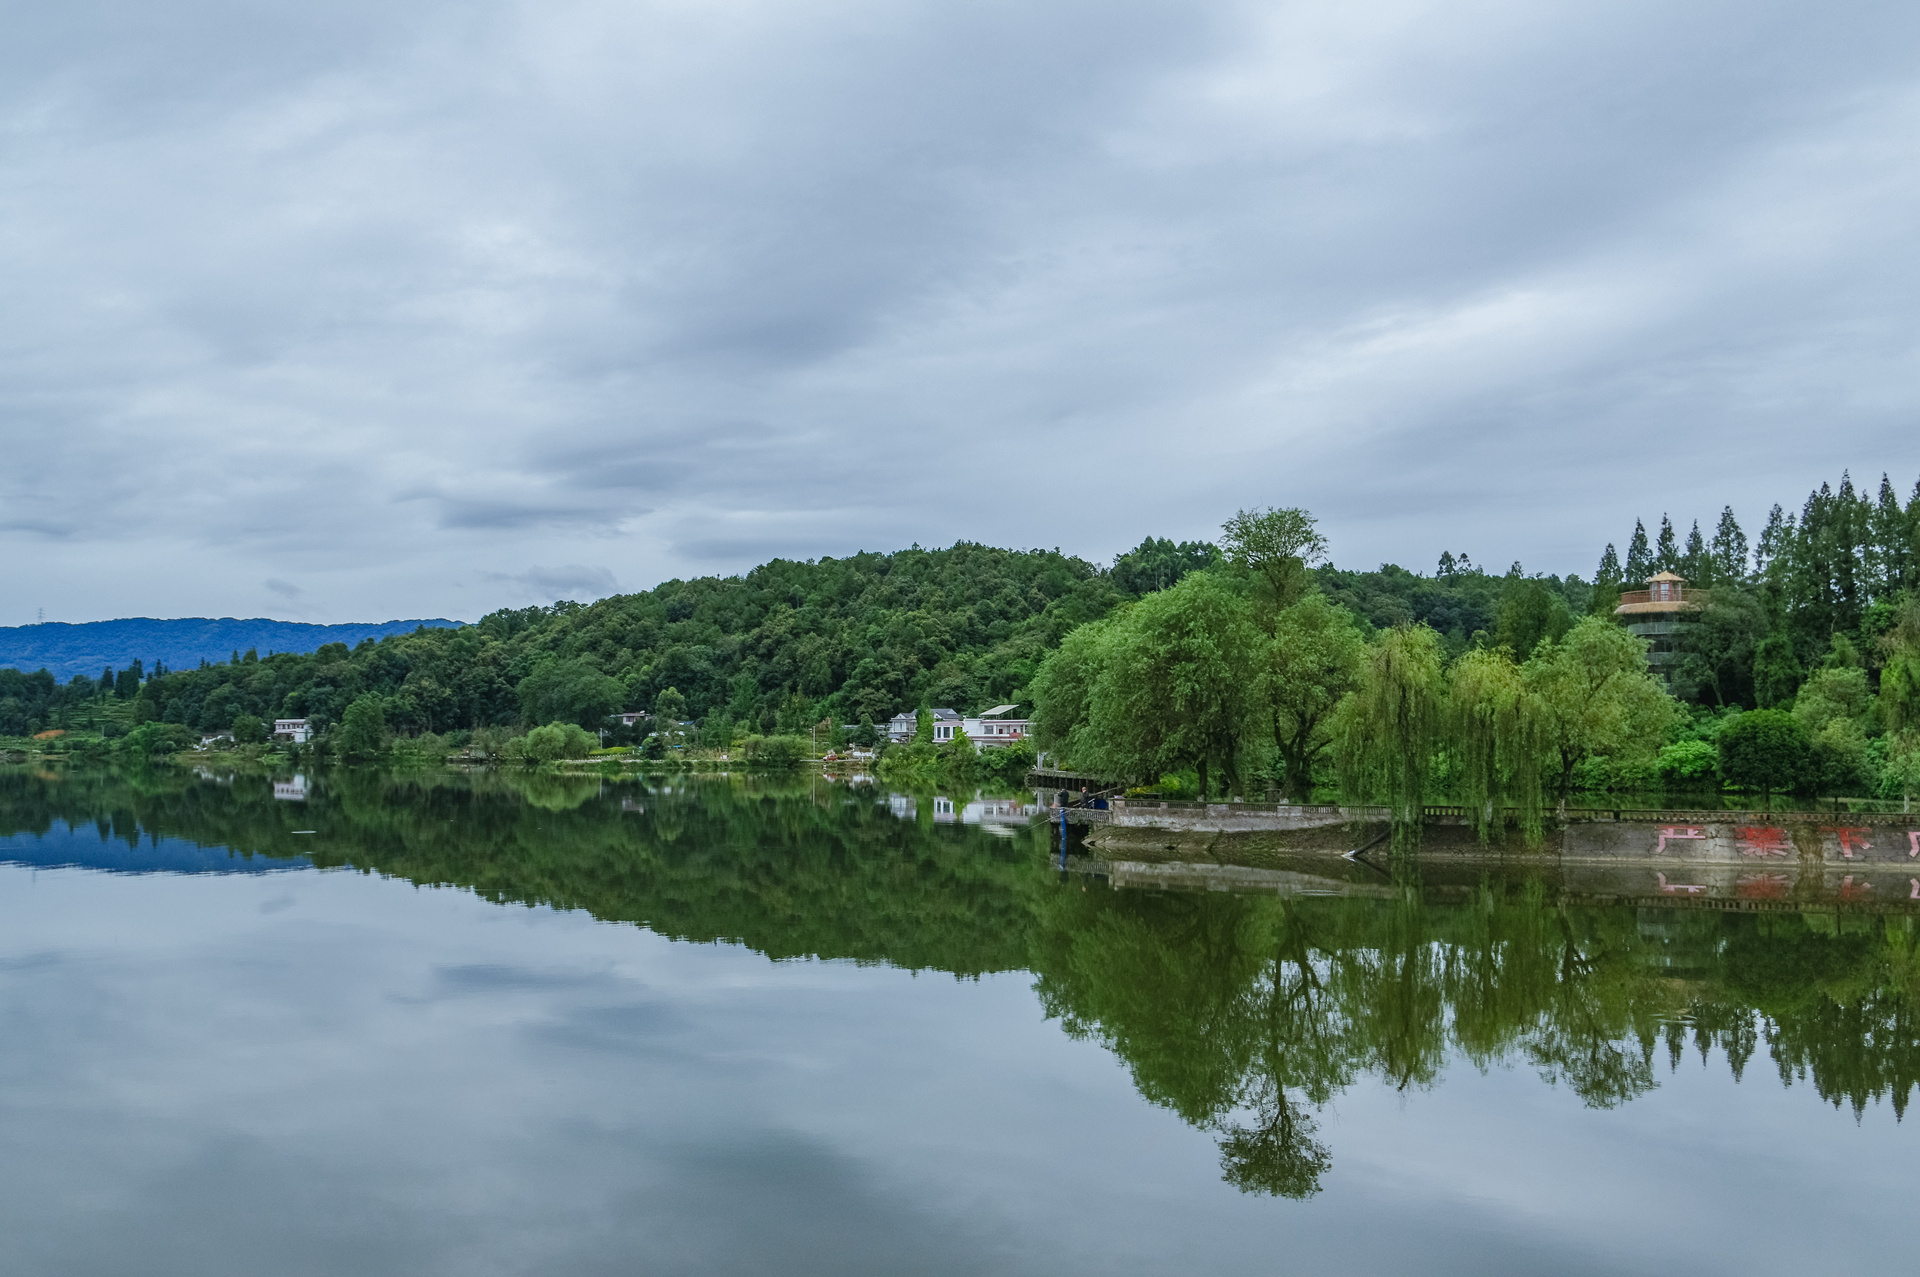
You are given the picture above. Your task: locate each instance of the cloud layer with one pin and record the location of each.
(347, 310)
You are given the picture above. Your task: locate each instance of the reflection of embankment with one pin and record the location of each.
(1744, 860)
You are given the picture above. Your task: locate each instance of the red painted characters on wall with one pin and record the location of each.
(1676, 833)
(1763, 840)
(1851, 839)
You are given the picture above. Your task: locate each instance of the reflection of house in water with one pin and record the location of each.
(293, 791)
(1001, 816)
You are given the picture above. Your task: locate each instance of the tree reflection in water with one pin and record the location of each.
(1245, 1015)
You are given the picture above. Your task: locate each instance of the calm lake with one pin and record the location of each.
(519, 1024)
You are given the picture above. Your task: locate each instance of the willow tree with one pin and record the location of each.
(1498, 738)
(1385, 730)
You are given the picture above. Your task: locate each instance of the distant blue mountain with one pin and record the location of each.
(88, 648)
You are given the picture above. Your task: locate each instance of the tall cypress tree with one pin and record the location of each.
(1773, 539)
(1729, 548)
(1639, 556)
(1608, 573)
(1666, 551)
(1696, 565)
(1849, 577)
(1887, 549)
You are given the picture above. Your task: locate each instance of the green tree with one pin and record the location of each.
(1498, 735)
(1529, 613)
(248, 730)
(363, 730)
(1776, 670)
(1177, 687)
(1385, 731)
(1764, 749)
(1599, 699)
(573, 691)
(1729, 550)
(555, 741)
(1640, 562)
(1063, 690)
(1900, 696)
(1719, 646)
(1313, 660)
(1157, 563)
(1277, 546)
(1666, 550)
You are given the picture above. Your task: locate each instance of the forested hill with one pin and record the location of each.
(64, 650)
(865, 637)
(778, 648)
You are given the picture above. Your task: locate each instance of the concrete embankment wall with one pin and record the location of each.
(1742, 859)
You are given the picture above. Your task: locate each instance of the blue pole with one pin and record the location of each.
(1063, 837)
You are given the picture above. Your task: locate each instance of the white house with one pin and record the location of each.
(900, 727)
(294, 728)
(991, 730)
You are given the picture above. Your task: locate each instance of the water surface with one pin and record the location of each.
(526, 1024)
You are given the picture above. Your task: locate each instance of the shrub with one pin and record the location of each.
(1688, 762)
(556, 741)
(1764, 749)
(776, 751)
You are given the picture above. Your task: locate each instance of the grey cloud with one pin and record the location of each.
(383, 296)
(569, 581)
(285, 589)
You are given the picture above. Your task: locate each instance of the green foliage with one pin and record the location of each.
(1776, 671)
(1277, 546)
(1386, 730)
(776, 753)
(1764, 749)
(248, 730)
(1530, 611)
(1156, 564)
(573, 690)
(1498, 734)
(1599, 700)
(1688, 762)
(362, 736)
(150, 740)
(1313, 660)
(555, 741)
(1719, 649)
(1063, 692)
(1176, 685)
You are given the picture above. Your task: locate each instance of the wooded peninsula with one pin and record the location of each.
(1211, 668)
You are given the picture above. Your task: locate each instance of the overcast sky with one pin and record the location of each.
(350, 310)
